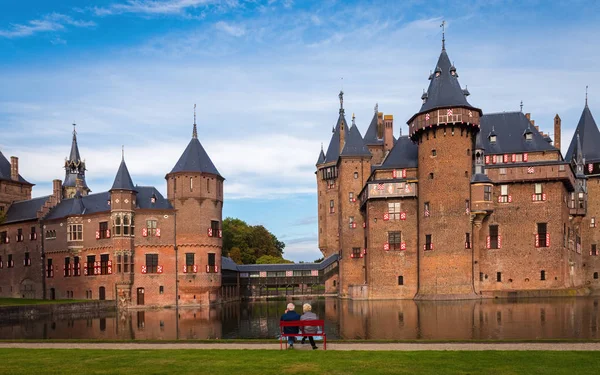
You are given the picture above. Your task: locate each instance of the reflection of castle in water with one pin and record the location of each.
(346, 319)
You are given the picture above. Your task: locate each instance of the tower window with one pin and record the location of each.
(426, 210)
(433, 152)
(355, 175)
(467, 240)
(596, 275)
(431, 176)
(331, 207)
(528, 136)
(191, 184)
(594, 250)
(400, 280)
(542, 275)
(428, 243)
(487, 193)
(492, 139)
(499, 277)
(542, 229)
(493, 237)
(394, 240)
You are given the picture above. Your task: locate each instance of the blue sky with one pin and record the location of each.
(265, 76)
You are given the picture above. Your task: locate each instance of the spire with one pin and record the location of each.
(376, 108)
(321, 158)
(353, 119)
(341, 96)
(74, 155)
(586, 89)
(123, 178)
(521, 106)
(443, 26)
(122, 152)
(74, 166)
(590, 138)
(195, 131)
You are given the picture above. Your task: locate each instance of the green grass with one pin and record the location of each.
(25, 301)
(62, 361)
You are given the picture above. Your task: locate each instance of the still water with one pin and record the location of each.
(392, 320)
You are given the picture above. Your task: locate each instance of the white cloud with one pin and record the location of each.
(48, 23)
(152, 7)
(233, 30)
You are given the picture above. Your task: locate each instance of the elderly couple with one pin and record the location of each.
(291, 315)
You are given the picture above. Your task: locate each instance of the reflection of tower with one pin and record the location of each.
(445, 129)
(74, 171)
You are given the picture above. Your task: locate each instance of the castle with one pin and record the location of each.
(128, 244)
(467, 205)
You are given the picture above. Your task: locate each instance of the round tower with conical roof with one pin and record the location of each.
(444, 129)
(195, 190)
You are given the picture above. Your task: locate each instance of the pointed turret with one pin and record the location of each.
(355, 145)
(321, 159)
(374, 134)
(123, 178)
(340, 133)
(195, 158)
(74, 170)
(590, 138)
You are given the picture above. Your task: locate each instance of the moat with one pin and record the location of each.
(524, 319)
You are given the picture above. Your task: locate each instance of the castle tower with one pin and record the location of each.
(445, 129)
(195, 189)
(74, 171)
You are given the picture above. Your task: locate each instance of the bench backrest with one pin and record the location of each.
(302, 323)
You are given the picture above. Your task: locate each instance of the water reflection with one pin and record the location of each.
(393, 320)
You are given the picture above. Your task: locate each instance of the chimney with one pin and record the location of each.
(557, 131)
(528, 116)
(379, 125)
(388, 132)
(57, 190)
(14, 168)
(78, 185)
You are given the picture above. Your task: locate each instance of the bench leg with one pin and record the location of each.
(324, 342)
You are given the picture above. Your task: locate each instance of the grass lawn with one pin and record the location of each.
(74, 361)
(25, 301)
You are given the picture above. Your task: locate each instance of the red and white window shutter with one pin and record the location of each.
(386, 216)
(144, 269)
(210, 232)
(145, 232)
(157, 232)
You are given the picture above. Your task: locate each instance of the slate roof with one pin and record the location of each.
(228, 264)
(590, 138)
(479, 177)
(123, 178)
(444, 91)
(94, 203)
(5, 170)
(333, 151)
(75, 162)
(510, 129)
(195, 159)
(404, 154)
(289, 266)
(25, 210)
(74, 154)
(371, 134)
(71, 179)
(354, 144)
(321, 159)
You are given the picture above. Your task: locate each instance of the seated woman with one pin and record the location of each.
(309, 315)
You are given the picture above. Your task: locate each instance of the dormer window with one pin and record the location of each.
(493, 138)
(453, 71)
(528, 136)
(153, 199)
(438, 71)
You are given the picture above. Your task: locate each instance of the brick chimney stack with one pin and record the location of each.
(14, 168)
(557, 143)
(57, 190)
(388, 132)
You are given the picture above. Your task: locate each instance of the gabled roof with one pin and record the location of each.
(123, 179)
(333, 151)
(403, 155)
(5, 170)
(94, 203)
(590, 138)
(195, 159)
(228, 264)
(444, 89)
(25, 210)
(510, 129)
(354, 144)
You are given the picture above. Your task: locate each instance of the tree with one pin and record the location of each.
(252, 242)
(269, 259)
(319, 260)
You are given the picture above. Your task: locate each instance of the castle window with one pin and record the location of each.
(212, 261)
(593, 222)
(528, 136)
(10, 263)
(351, 222)
(32, 234)
(487, 193)
(431, 176)
(394, 210)
(49, 267)
(467, 240)
(480, 276)
(151, 227)
(331, 207)
(428, 243)
(493, 237)
(3, 237)
(503, 194)
(426, 211)
(492, 138)
(355, 175)
(151, 263)
(27, 260)
(581, 200)
(434, 152)
(76, 265)
(126, 225)
(502, 171)
(356, 252)
(594, 250)
(351, 197)
(191, 184)
(118, 226)
(119, 263)
(104, 264)
(596, 275)
(208, 185)
(467, 206)
(542, 229)
(91, 261)
(189, 259)
(400, 280)
(214, 225)
(66, 271)
(499, 277)
(103, 229)
(542, 275)
(126, 264)
(20, 235)
(75, 232)
(394, 240)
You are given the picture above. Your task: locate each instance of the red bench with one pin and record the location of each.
(301, 324)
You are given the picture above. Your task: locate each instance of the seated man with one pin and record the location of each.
(290, 316)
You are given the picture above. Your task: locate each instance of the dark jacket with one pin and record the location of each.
(289, 317)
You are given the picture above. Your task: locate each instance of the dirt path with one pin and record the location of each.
(333, 346)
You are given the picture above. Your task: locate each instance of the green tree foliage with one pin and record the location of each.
(269, 259)
(319, 260)
(246, 244)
